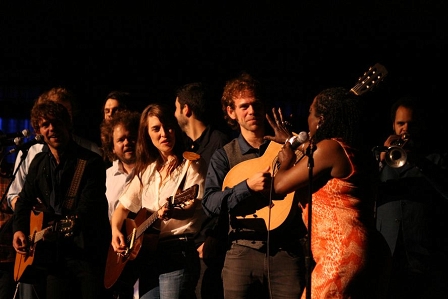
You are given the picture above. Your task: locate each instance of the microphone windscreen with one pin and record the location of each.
(298, 139)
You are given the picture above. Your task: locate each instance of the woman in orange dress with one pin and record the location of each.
(351, 257)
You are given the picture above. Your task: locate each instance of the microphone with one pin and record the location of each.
(297, 140)
(23, 133)
(9, 142)
(25, 146)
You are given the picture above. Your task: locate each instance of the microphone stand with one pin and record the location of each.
(308, 254)
(376, 153)
(9, 223)
(13, 175)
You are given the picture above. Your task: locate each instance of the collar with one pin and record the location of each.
(70, 149)
(247, 148)
(194, 145)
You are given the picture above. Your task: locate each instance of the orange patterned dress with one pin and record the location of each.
(352, 258)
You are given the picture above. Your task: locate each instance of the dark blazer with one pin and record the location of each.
(410, 211)
(92, 232)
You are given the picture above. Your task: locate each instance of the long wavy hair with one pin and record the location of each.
(145, 150)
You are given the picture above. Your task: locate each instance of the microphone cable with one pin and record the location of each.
(275, 167)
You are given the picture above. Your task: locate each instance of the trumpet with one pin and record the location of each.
(396, 156)
(404, 138)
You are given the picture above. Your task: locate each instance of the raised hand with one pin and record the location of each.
(280, 126)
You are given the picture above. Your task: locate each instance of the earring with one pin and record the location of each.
(317, 127)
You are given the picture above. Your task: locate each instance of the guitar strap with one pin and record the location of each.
(183, 177)
(71, 193)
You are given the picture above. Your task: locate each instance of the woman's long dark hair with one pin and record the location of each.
(145, 150)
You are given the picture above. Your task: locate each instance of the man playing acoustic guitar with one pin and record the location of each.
(255, 266)
(66, 183)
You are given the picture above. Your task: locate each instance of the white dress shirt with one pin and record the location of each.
(116, 179)
(154, 195)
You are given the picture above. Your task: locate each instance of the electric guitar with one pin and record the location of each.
(133, 230)
(23, 262)
(276, 213)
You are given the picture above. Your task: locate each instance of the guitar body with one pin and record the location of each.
(116, 263)
(133, 230)
(24, 261)
(279, 210)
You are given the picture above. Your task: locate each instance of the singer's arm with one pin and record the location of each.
(330, 161)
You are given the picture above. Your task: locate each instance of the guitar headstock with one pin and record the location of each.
(369, 79)
(65, 226)
(185, 197)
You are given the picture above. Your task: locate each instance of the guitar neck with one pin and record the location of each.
(179, 199)
(144, 226)
(369, 79)
(38, 235)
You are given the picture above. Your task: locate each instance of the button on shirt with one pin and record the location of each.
(116, 179)
(154, 195)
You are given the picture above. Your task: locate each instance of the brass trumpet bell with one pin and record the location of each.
(396, 156)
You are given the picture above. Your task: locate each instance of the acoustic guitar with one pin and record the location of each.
(23, 262)
(276, 213)
(133, 230)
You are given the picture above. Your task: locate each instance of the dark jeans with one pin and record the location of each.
(176, 266)
(210, 282)
(248, 272)
(73, 278)
(7, 284)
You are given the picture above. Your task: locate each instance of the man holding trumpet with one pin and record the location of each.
(409, 201)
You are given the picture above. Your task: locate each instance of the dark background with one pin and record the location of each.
(296, 47)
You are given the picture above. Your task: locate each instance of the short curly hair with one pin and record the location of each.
(61, 95)
(243, 84)
(128, 119)
(50, 110)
